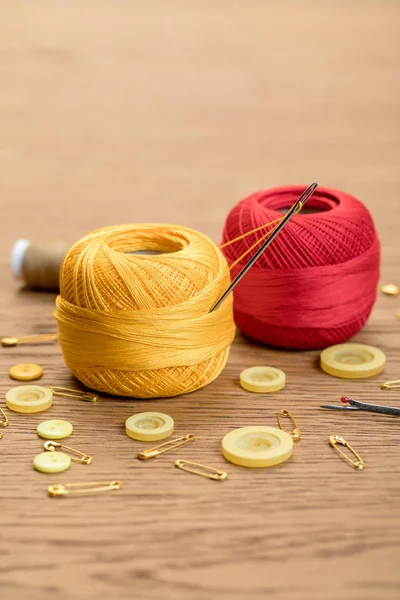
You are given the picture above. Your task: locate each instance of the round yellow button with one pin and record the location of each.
(263, 380)
(390, 289)
(352, 361)
(26, 372)
(149, 426)
(29, 398)
(52, 462)
(54, 429)
(257, 446)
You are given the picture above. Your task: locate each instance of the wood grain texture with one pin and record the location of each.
(153, 111)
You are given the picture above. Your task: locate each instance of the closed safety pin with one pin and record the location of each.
(334, 440)
(28, 339)
(166, 447)
(3, 422)
(65, 489)
(357, 405)
(390, 385)
(54, 446)
(295, 435)
(68, 393)
(210, 472)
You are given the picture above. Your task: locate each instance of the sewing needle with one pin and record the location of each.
(295, 208)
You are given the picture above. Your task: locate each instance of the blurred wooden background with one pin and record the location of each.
(128, 111)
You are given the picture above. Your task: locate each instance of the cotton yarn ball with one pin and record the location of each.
(315, 285)
(139, 324)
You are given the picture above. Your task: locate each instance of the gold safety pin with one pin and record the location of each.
(295, 435)
(28, 339)
(334, 440)
(212, 473)
(166, 447)
(65, 489)
(391, 385)
(52, 446)
(78, 394)
(4, 421)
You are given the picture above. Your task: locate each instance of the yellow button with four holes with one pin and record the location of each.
(52, 462)
(352, 361)
(262, 380)
(54, 429)
(257, 446)
(29, 399)
(149, 426)
(26, 372)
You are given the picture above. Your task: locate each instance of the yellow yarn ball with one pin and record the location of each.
(138, 324)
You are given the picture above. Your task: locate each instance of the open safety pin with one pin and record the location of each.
(357, 405)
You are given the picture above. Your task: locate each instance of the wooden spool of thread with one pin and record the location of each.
(38, 264)
(139, 325)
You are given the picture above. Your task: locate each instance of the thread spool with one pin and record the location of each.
(38, 264)
(138, 325)
(316, 284)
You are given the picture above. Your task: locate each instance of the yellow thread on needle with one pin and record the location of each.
(240, 237)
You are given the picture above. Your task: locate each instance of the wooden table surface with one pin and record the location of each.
(116, 112)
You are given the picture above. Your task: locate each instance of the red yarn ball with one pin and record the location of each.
(316, 284)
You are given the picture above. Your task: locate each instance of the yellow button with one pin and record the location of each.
(29, 398)
(52, 462)
(352, 361)
(54, 430)
(263, 380)
(149, 426)
(257, 446)
(390, 289)
(26, 372)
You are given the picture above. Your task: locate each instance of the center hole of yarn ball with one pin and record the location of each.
(256, 442)
(149, 243)
(316, 204)
(150, 423)
(348, 358)
(150, 252)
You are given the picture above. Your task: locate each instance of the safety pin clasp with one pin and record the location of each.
(65, 489)
(78, 394)
(52, 446)
(209, 472)
(166, 447)
(295, 435)
(334, 440)
(4, 421)
(391, 385)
